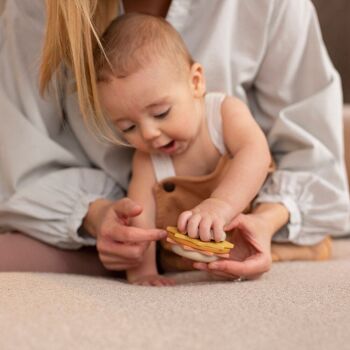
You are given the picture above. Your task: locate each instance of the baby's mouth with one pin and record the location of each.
(169, 145)
(169, 148)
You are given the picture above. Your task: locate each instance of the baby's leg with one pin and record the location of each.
(147, 273)
(19, 252)
(289, 251)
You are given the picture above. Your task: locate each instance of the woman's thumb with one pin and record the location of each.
(234, 223)
(127, 208)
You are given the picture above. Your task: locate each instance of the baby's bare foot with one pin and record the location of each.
(154, 280)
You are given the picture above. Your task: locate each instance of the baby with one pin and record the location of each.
(154, 95)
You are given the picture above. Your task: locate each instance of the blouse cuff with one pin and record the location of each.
(317, 207)
(79, 210)
(52, 209)
(75, 220)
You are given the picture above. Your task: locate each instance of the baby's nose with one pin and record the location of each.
(150, 133)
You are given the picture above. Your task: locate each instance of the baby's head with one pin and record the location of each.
(149, 86)
(133, 41)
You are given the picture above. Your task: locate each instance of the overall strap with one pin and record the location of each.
(163, 166)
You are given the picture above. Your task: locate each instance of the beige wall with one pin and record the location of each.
(1, 5)
(334, 18)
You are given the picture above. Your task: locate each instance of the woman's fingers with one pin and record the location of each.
(204, 267)
(234, 223)
(256, 265)
(122, 233)
(126, 208)
(134, 234)
(226, 273)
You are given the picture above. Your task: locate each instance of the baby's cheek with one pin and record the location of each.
(138, 144)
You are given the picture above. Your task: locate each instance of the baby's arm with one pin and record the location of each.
(140, 190)
(250, 152)
(246, 173)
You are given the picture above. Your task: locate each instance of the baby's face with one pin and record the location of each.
(156, 109)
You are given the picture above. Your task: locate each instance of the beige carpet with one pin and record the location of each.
(296, 306)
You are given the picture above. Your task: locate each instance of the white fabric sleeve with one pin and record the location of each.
(46, 178)
(303, 115)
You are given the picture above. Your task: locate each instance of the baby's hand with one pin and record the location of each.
(154, 280)
(207, 220)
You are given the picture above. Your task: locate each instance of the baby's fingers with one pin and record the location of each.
(193, 226)
(183, 219)
(218, 231)
(205, 225)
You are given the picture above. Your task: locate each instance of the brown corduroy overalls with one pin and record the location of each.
(176, 194)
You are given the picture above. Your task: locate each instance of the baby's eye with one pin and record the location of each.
(128, 129)
(162, 115)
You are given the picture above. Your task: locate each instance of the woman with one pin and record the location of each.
(63, 187)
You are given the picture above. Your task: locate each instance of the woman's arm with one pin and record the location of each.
(47, 178)
(298, 99)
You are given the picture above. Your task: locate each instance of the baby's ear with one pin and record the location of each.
(197, 80)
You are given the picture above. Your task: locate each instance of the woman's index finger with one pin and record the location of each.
(136, 234)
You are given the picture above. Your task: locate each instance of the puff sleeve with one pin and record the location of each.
(298, 94)
(50, 168)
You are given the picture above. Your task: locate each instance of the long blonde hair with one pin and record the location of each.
(72, 32)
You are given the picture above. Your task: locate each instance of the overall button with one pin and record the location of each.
(168, 186)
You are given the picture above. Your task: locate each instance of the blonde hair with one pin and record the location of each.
(131, 41)
(72, 32)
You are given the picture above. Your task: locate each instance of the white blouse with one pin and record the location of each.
(269, 53)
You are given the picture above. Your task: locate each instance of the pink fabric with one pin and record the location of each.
(19, 252)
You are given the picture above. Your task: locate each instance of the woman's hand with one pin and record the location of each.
(119, 245)
(251, 256)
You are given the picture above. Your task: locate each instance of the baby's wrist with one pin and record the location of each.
(223, 202)
(227, 209)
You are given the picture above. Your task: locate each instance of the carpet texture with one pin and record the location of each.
(303, 305)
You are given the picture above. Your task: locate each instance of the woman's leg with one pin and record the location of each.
(19, 252)
(292, 252)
